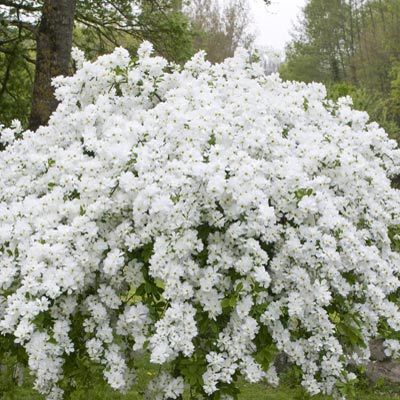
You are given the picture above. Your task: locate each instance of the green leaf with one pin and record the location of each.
(212, 141)
(305, 104)
(232, 301)
(225, 303)
(214, 327)
(239, 287)
(302, 192)
(147, 252)
(351, 332)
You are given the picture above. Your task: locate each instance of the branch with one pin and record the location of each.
(98, 29)
(24, 25)
(6, 77)
(6, 51)
(105, 22)
(19, 6)
(11, 53)
(3, 42)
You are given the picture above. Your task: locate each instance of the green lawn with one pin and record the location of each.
(262, 392)
(248, 392)
(96, 389)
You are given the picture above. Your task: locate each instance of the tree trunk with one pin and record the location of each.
(54, 42)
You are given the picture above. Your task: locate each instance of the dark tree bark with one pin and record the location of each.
(54, 42)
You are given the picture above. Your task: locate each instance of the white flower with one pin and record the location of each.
(160, 201)
(113, 262)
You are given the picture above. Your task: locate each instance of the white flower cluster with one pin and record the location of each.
(206, 213)
(165, 386)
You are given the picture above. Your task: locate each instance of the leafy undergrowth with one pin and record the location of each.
(262, 392)
(248, 392)
(96, 389)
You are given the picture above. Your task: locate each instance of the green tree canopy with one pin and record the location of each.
(352, 44)
(99, 26)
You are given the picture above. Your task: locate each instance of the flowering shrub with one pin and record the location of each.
(208, 217)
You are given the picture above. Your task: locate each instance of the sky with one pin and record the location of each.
(275, 22)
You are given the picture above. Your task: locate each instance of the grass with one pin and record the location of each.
(101, 391)
(262, 392)
(98, 390)
(248, 392)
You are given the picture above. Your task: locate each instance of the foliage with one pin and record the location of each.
(221, 27)
(100, 26)
(289, 389)
(98, 32)
(394, 97)
(318, 52)
(352, 42)
(207, 217)
(16, 71)
(378, 108)
(15, 99)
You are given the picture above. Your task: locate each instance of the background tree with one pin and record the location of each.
(353, 47)
(53, 53)
(221, 27)
(50, 26)
(17, 48)
(323, 42)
